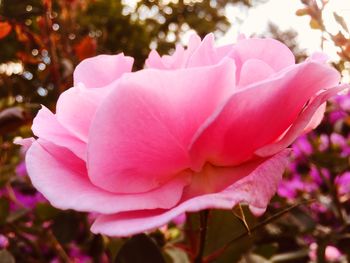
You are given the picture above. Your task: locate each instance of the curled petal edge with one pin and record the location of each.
(256, 190)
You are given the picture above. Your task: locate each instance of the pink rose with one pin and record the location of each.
(207, 127)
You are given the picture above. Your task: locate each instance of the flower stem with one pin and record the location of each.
(203, 232)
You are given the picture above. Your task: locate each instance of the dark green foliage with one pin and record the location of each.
(139, 249)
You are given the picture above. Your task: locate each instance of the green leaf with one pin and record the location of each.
(11, 119)
(114, 245)
(222, 227)
(177, 255)
(139, 249)
(65, 226)
(266, 250)
(44, 211)
(252, 258)
(314, 24)
(232, 250)
(6, 257)
(289, 256)
(17, 214)
(302, 12)
(4, 210)
(96, 247)
(340, 20)
(4, 178)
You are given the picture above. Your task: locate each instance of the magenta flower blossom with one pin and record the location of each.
(332, 254)
(336, 115)
(289, 188)
(343, 183)
(206, 127)
(21, 169)
(302, 147)
(29, 200)
(341, 107)
(4, 242)
(343, 101)
(342, 143)
(324, 142)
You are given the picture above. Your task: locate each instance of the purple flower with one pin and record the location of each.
(21, 169)
(332, 254)
(302, 147)
(4, 242)
(77, 255)
(343, 101)
(179, 220)
(343, 183)
(28, 200)
(317, 175)
(341, 142)
(324, 142)
(336, 115)
(338, 140)
(289, 188)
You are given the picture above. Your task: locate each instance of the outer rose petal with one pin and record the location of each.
(274, 53)
(316, 118)
(198, 54)
(76, 108)
(25, 143)
(142, 130)
(319, 57)
(101, 70)
(193, 44)
(255, 189)
(176, 61)
(62, 178)
(253, 116)
(205, 54)
(46, 126)
(312, 112)
(154, 60)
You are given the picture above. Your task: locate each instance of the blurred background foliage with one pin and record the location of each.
(41, 43)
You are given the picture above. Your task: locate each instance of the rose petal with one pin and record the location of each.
(76, 108)
(198, 54)
(224, 51)
(316, 118)
(256, 189)
(46, 126)
(254, 70)
(62, 178)
(258, 115)
(176, 60)
(274, 53)
(154, 60)
(146, 124)
(25, 143)
(205, 54)
(302, 124)
(319, 57)
(193, 44)
(101, 70)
